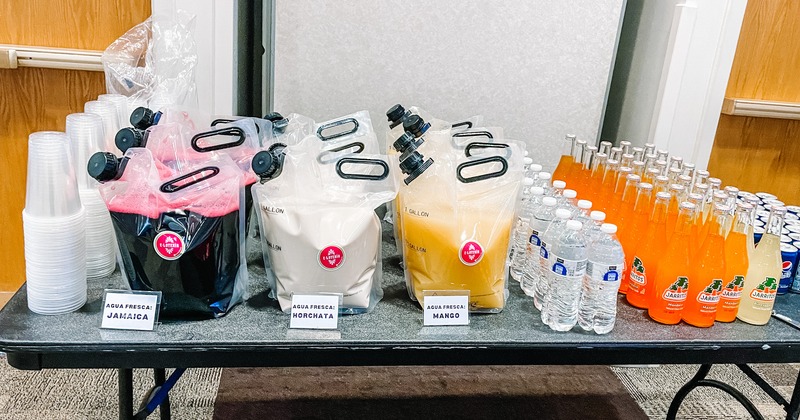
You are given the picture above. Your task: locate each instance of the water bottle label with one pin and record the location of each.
(534, 238)
(603, 272)
(543, 255)
(568, 268)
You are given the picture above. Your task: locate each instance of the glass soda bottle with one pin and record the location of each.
(613, 205)
(645, 258)
(677, 193)
(672, 279)
(708, 272)
(763, 273)
(595, 184)
(565, 163)
(637, 225)
(736, 263)
(577, 165)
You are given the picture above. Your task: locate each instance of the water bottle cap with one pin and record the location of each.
(608, 228)
(574, 225)
(527, 161)
(535, 167)
(525, 153)
(527, 181)
(544, 175)
(549, 201)
(597, 216)
(563, 214)
(584, 204)
(559, 184)
(537, 190)
(569, 194)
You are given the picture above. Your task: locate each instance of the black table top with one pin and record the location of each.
(256, 333)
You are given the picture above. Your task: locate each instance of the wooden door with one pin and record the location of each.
(763, 154)
(39, 99)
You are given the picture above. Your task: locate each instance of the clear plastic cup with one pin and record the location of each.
(108, 112)
(121, 103)
(52, 189)
(87, 137)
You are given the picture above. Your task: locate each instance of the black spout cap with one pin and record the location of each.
(103, 166)
(130, 137)
(407, 143)
(267, 163)
(416, 125)
(414, 165)
(395, 114)
(274, 116)
(142, 118)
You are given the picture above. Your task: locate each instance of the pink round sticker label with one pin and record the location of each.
(331, 257)
(471, 253)
(169, 245)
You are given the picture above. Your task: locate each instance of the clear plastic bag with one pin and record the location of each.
(456, 223)
(182, 235)
(154, 62)
(319, 230)
(350, 132)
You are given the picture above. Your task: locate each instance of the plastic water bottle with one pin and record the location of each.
(598, 303)
(568, 199)
(543, 180)
(567, 268)
(582, 209)
(592, 224)
(524, 195)
(542, 285)
(523, 232)
(533, 171)
(538, 224)
(558, 188)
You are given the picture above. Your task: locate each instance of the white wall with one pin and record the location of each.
(539, 68)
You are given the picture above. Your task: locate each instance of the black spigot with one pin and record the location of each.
(104, 166)
(414, 165)
(130, 137)
(142, 118)
(396, 115)
(416, 125)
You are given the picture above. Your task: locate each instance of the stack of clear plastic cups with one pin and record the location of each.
(85, 133)
(54, 227)
(121, 103)
(108, 112)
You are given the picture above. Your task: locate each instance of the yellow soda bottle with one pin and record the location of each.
(763, 273)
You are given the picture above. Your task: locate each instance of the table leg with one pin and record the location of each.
(160, 375)
(125, 380)
(793, 409)
(699, 380)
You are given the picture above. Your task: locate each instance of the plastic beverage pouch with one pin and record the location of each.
(194, 119)
(182, 236)
(325, 237)
(354, 129)
(457, 220)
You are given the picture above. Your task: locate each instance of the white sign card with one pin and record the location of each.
(446, 307)
(130, 310)
(315, 311)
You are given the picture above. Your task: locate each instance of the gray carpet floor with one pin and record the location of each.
(92, 394)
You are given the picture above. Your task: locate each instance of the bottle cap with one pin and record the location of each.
(103, 166)
(644, 186)
(608, 228)
(406, 142)
(549, 201)
(525, 153)
(544, 175)
(570, 194)
(571, 137)
(722, 208)
(597, 216)
(129, 137)
(535, 167)
(676, 187)
(574, 225)
(633, 177)
(688, 206)
(142, 118)
(612, 162)
(664, 195)
(715, 181)
(537, 191)
(778, 210)
(584, 204)
(274, 117)
(563, 213)
(559, 184)
(527, 182)
(527, 161)
(745, 206)
(662, 179)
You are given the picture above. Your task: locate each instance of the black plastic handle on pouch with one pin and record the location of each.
(170, 187)
(484, 145)
(336, 124)
(481, 133)
(227, 131)
(357, 144)
(228, 121)
(467, 124)
(362, 161)
(477, 162)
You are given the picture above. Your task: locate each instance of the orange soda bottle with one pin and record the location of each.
(565, 163)
(661, 184)
(607, 187)
(676, 191)
(650, 175)
(577, 165)
(697, 224)
(672, 279)
(736, 264)
(595, 183)
(582, 178)
(708, 272)
(637, 223)
(627, 203)
(638, 167)
(720, 198)
(644, 263)
(619, 186)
